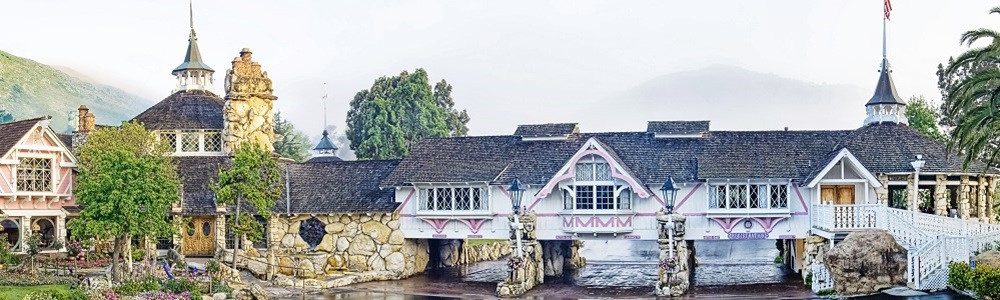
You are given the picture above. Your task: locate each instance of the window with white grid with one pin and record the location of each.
(171, 139)
(748, 196)
(34, 174)
(213, 142)
(595, 188)
(453, 199)
(190, 141)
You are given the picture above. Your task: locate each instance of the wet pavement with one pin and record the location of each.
(729, 271)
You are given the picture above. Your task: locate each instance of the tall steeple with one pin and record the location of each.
(885, 105)
(193, 74)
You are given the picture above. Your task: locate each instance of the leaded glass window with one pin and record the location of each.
(189, 142)
(312, 231)
(34, 174)
(602, 172)
(585, 172)
(171, 139)
(456, 198)
(213, 142)
(779, 196)
(743, 196)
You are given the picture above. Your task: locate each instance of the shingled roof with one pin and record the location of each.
(338, 186)
(12, 132)
(193, 109)
(677, 127)
(546, 130)
(719, 155)
(197, 173)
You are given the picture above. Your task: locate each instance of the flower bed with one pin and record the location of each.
(80, 264)
(21, 279)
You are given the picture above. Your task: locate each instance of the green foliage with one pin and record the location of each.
(6, 116)
(808, 280)
(7, 258)
(59, 292)
(212, 267)
(779, 259)
(253, 181)
(180, 285)
(923, 118)
(826, 293)
(21, 279)
(219, 286)
(29, 89)
(138, 253)
(140, 285)
(385, 121)
(970, 86)
(289, 143)
(34, 243)
(981, 281)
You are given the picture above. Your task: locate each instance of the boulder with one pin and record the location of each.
(299, 242)
(394, 224)
(394, 262)
(866, 262)
(357, 263)
(396, 237)
(285, 266)
(328, 243)
(288, 240)
(362, 245)
(335, 263)
(988, 258)
(257, 266)
(342, 244)
(258, 292)
(219, 296)
(306, 269)
(377, 231)
(294, 227)
(334, 228)
(376, 263)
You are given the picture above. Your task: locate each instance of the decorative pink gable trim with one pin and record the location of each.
(727, 223)
(438, 224)
(801, 200)
(769, 222)
(474, 224)
(408, 196)
(679, 204)
(571, 171)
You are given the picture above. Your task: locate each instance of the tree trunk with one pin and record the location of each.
(115, 266)
(128, 254)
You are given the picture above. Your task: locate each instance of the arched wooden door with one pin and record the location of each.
(199, 237)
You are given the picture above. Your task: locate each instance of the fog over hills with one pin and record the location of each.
(732, 98)
(29, 89)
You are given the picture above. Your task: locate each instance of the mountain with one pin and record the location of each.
(30, 89)
(734, 98)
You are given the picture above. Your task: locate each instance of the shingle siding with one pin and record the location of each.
(677, 127)
(544, 130)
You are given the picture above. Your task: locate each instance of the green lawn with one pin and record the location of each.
(477, 242)
(18, 292)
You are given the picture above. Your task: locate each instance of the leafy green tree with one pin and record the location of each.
(289, 143)
(127, 184)
(971, 85)
(252, 182)
(6, 116)
(392, 116)
(457, 120)
(923, 117)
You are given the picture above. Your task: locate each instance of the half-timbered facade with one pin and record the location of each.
(36, 183)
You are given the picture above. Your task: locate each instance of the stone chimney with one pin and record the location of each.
(248, 110)
(85, 119)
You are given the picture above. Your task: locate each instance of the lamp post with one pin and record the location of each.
(516, 192)
(669, 192)
(917, 164)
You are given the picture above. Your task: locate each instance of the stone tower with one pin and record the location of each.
(248, 110)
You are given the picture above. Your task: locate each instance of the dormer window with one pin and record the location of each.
(193, 142)
(34, 174)
(594, 188)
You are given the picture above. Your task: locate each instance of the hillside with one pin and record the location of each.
(29, 89)
(736, 99)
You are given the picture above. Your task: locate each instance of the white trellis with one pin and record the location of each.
(821, 278)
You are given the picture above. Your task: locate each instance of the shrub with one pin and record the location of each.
(138, 254)
(161, 295)
(75, 249)
(219, 286)
(779, 259)
(981, 281)
(826, 293)
(134, 287)
(181, 285)
(19, 279)
(55, 294)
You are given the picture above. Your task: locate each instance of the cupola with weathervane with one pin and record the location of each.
(193, 73)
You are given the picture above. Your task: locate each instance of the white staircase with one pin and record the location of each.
(931, 241)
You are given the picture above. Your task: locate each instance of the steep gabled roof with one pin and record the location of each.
(890, 147)
(546, 130)
(13, 132)
(339, 186)
(677, 127)
(193, 109)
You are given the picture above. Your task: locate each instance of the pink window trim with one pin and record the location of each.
(571, 171)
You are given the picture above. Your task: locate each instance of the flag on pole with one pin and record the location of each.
(887, 8)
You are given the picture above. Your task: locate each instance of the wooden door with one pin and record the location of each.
(838, 194)
(199, 237)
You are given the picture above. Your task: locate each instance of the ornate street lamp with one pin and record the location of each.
(516, 192)
(669, 194)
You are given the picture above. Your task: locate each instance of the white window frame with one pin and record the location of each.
(53, 173)
(719, 195)
(201, 134)
(622, 194)
(425, 195)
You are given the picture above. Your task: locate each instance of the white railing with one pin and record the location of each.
(984, 241)
(904, 232)
(923, 262)
(848, 217)
(955, 249)
(821, 278)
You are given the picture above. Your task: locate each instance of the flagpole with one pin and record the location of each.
(883, 37)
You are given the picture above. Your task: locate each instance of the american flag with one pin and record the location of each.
(887, 8)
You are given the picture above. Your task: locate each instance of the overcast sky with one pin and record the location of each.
(502, 57)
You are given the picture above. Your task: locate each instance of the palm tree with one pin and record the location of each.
(974, 103)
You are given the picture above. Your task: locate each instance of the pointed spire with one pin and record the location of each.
(192, 58)
(885, 90)
(325, 146)
(193, 73)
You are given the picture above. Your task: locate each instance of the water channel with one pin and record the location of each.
(615, 269)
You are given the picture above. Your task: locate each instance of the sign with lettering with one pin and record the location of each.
(748, 235)
(475, 236)
(564, 237)
(631, 237)
(439, 236)
(788, 237)
(711, 237)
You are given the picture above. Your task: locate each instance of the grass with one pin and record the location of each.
(18, 292)
(478, 242)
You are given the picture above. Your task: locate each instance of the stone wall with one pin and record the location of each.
(307, 246)
(561, 255)
(815, 248)
(458, 252)
(674, 274)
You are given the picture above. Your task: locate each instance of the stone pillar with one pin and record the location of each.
(25, 232)
(981, 200)
(815, 246)
(677, 284)
(525, 272)
(220, 233)
(574, 260)
(248, 111)
(963, 197)
(882, 192)
(940, 201)
(991, 194)
(911, 199)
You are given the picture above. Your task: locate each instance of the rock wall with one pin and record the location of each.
(526, 271)
(307, 246)
(674, 273)
(248, 111)
(815, 248)
(866, 262)
(458, 252)
(559, 256)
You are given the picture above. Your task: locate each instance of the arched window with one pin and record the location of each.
(595, 188)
